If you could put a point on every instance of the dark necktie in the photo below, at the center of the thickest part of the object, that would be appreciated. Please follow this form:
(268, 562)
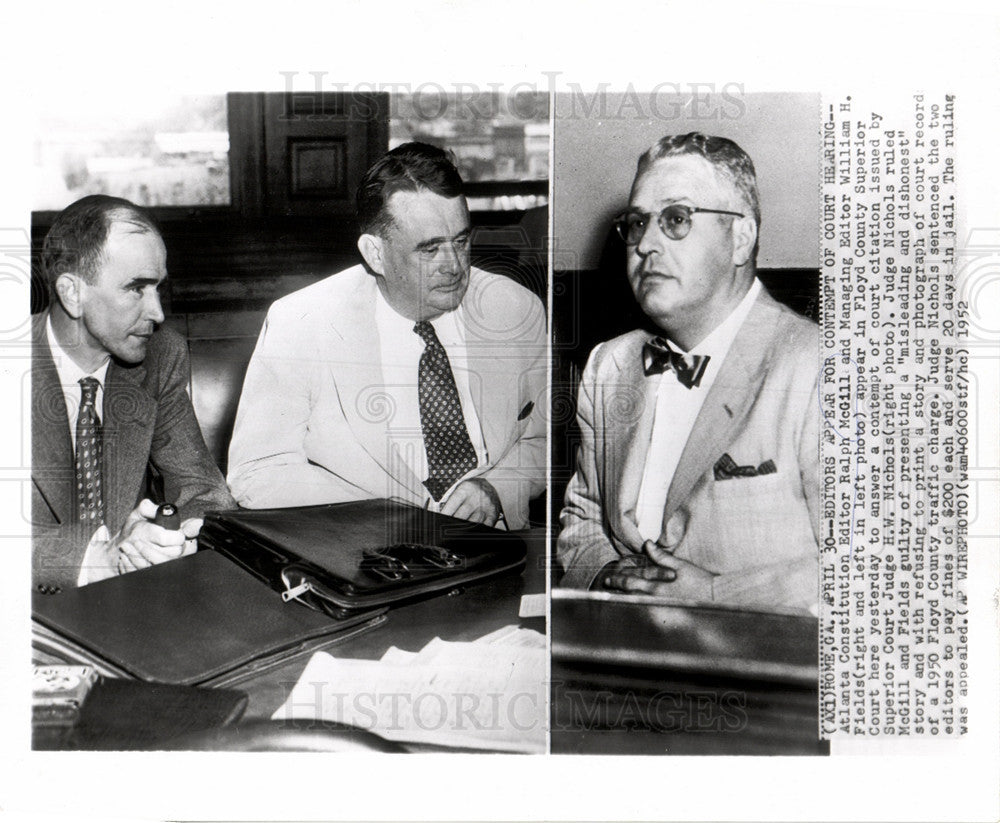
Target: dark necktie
(90, 497)
(658, 356)
(450, 453)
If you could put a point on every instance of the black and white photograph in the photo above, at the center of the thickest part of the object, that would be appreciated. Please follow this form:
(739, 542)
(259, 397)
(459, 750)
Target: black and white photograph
(522, 412)
(288, 425)
(684, 620)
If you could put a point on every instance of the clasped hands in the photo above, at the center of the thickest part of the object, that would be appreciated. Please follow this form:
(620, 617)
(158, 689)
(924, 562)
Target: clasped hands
(656, 571)
(141, 543)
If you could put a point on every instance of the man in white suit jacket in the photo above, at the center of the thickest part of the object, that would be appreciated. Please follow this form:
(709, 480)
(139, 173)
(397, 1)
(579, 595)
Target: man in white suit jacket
(698, 471)
(329, 406)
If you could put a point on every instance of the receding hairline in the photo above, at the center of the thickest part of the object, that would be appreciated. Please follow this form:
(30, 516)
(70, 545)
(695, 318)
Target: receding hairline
(730, 160)
(720, 173)
(122, 222)
(390, 221)
(133, 222)
(409, 167)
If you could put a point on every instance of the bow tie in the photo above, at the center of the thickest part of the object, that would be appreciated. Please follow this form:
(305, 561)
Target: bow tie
(658, 356)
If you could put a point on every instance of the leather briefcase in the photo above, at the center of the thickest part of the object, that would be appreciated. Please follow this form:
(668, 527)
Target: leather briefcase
(342, 557)
(198, 620)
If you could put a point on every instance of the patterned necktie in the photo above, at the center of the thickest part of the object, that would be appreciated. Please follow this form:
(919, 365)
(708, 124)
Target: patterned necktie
(658, 356)
(90, 498)
(450, 453)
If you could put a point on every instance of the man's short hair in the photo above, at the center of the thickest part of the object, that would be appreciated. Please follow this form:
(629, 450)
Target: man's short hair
(726, 156)
(75, 243)
(410, 167)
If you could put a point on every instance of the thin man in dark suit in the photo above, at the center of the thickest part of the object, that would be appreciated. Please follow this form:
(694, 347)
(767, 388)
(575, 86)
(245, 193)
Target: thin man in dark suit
(109, 401)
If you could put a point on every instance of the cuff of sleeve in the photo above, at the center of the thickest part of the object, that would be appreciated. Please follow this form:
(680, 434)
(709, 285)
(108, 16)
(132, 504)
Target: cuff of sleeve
(513, 500)
(92, 558)
(583, 575)
(786, 586)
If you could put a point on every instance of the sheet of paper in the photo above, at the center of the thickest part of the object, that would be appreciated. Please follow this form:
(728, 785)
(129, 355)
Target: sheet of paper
(475, 697)
(397, 656)
(532, 605)
(515, 636)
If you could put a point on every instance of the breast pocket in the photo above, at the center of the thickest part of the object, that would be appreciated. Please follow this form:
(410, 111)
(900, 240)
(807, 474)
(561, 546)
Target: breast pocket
(754, 520)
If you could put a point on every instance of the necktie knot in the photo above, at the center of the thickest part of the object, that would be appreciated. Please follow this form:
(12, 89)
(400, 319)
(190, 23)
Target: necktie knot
(88, 391)
(426, 332)
(659, 356)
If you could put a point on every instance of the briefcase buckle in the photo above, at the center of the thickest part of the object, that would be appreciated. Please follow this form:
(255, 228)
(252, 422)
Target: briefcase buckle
(293, 592)
(442, 558)
(384, 565)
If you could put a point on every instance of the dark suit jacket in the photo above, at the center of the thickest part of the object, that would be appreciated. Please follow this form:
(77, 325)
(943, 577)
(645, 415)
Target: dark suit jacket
(147, 421)
(757, 535)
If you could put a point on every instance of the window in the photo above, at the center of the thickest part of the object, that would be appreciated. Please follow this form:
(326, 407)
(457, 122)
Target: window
(501, 142)
(176, 151)
(153, 151)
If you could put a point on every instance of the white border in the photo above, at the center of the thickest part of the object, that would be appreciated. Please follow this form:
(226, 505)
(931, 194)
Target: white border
(134, 48)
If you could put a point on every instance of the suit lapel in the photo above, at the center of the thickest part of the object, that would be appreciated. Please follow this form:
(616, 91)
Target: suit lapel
(128, 422)
(628, 440)
(484, 355)
(732, 394)
(361, 384)
(480, 360)
(51, 445)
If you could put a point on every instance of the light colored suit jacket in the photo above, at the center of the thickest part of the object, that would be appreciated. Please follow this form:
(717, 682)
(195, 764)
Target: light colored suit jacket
(313, 420)
(147, 420)
(758, 535)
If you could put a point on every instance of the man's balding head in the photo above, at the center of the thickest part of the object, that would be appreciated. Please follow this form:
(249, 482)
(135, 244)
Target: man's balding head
(75, 243)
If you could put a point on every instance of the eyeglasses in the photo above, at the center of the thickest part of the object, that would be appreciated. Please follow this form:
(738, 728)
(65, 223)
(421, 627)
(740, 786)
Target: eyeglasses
(674, 221)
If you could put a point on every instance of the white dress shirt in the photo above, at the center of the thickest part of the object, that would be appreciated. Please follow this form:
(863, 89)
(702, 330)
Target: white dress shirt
(677, 408)
(400, 349)
(70, 375)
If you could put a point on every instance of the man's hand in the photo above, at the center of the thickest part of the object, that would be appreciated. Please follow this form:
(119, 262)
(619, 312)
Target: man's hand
(658, 573)
(141, 543)
(474, 499)
(634, 574)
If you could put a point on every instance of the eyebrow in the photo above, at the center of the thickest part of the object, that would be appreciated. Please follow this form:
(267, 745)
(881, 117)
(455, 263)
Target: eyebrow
(143, 281)
(437, 241)
(661, 204)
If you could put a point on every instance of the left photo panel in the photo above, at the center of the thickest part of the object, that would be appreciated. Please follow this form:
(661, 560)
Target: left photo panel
(289, 413)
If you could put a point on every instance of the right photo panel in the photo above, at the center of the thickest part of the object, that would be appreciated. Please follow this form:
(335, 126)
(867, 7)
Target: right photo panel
(685, 487)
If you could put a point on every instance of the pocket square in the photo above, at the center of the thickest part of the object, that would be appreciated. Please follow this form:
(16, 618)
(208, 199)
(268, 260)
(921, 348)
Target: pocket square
(526, 410)
(725, 468)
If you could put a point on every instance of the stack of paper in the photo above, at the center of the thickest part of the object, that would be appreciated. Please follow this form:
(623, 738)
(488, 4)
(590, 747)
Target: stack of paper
(489, 694)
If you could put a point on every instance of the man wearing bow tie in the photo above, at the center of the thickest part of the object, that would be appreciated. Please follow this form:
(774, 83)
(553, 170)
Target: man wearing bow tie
(411, 376)
(698, 471)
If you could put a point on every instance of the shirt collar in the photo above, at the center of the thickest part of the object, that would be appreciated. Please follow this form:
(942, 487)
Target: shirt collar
(446, 326)
(70, 374)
